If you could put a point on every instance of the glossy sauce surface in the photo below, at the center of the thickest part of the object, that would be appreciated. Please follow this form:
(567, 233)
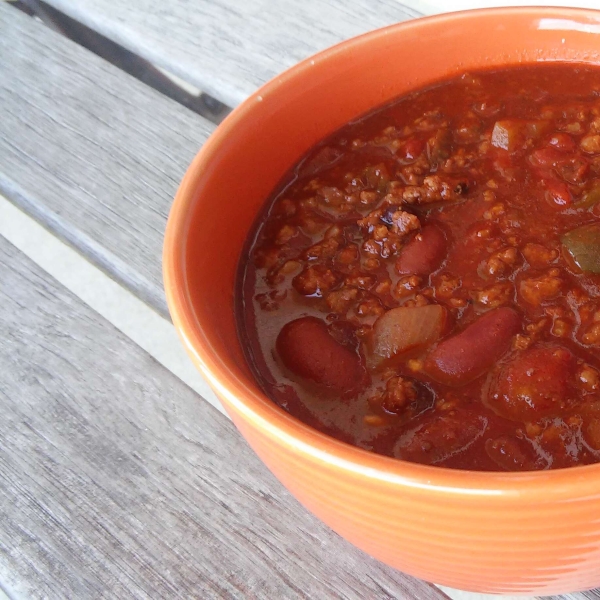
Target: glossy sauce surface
(425, 283)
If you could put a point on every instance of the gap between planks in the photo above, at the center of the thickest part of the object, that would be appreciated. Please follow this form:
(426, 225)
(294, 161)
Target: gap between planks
(121, 308)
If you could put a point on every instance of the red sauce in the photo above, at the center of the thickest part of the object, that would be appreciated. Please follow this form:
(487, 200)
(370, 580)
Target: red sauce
(425, 283)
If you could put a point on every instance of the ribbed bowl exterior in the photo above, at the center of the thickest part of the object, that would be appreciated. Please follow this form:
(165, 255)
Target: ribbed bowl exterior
(481, 543)
(488, 532)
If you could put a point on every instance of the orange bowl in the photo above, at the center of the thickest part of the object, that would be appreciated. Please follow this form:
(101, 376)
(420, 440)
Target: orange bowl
(536, 532)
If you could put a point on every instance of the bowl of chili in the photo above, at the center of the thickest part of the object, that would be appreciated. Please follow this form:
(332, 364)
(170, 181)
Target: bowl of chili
(407, 334)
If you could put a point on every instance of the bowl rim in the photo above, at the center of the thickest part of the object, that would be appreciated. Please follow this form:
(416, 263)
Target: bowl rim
(256, 407)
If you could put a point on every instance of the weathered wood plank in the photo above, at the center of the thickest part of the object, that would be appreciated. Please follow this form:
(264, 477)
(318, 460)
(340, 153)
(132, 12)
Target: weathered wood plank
(227, 47)
(117, 480)
(92, 153)
(590, 595)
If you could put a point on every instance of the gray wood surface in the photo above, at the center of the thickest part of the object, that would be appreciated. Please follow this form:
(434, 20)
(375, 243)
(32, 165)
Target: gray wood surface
(590, 595)
(229, 47)
(116, 480)
(93, 154)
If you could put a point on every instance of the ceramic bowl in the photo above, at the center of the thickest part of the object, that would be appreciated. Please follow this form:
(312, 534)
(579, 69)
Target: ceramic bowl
(536, 532)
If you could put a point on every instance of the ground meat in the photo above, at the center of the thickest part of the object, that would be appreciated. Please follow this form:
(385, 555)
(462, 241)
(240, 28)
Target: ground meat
(399, 393)
(588, 377)
(348, 255)
(434, 189)
(339, 301)
(404, 222)
(360, 280)
(447, 285)
(521, 342)
(495, 211)
(590, 144)
(418, 300)
(560, 328)
(314, 281)
(370, 308)
(494, 295)
(538, 255)
(536, 290)
(323, 249)
(367, 197)
(406, 286)
(499, 263)
(371, 220)
(266, 258)
(592, 335)
(384, 287)
(370, 263)
(285, 234)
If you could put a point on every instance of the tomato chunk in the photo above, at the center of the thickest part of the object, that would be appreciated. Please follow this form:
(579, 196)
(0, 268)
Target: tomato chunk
(534, 385)
(467, 355)
(306, 348)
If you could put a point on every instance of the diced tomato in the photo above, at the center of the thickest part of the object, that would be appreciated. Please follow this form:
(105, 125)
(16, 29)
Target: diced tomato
(535, 384)
(413, 148)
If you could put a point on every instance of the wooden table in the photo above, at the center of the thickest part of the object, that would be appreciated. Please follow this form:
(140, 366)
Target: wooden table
(120, 476)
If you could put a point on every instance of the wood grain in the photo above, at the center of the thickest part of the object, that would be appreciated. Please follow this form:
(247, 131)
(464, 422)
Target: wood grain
(116, 480)
(589, 595)
(226, 47)
(93, 154)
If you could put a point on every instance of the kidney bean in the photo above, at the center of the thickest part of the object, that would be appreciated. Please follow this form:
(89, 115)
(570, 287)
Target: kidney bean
(533, 385)
(548, 157)
(306, 348)
(512, 454)
(424, 253)
(558, 193)
(468, 354)
(439, 437)
(562, 141)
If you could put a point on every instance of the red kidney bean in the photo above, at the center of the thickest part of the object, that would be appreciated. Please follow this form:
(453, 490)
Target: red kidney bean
(424, 253)
(440, 436)
(562, 141)
(557, 193)
(463, 357)
(306, 348)
(512, 454)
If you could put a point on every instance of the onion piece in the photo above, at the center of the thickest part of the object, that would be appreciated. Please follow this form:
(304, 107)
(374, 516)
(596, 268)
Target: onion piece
(405, 328)
(511, 134)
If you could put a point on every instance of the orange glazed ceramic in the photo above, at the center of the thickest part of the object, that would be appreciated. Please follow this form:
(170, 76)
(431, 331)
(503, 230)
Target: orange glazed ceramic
(536, 532)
